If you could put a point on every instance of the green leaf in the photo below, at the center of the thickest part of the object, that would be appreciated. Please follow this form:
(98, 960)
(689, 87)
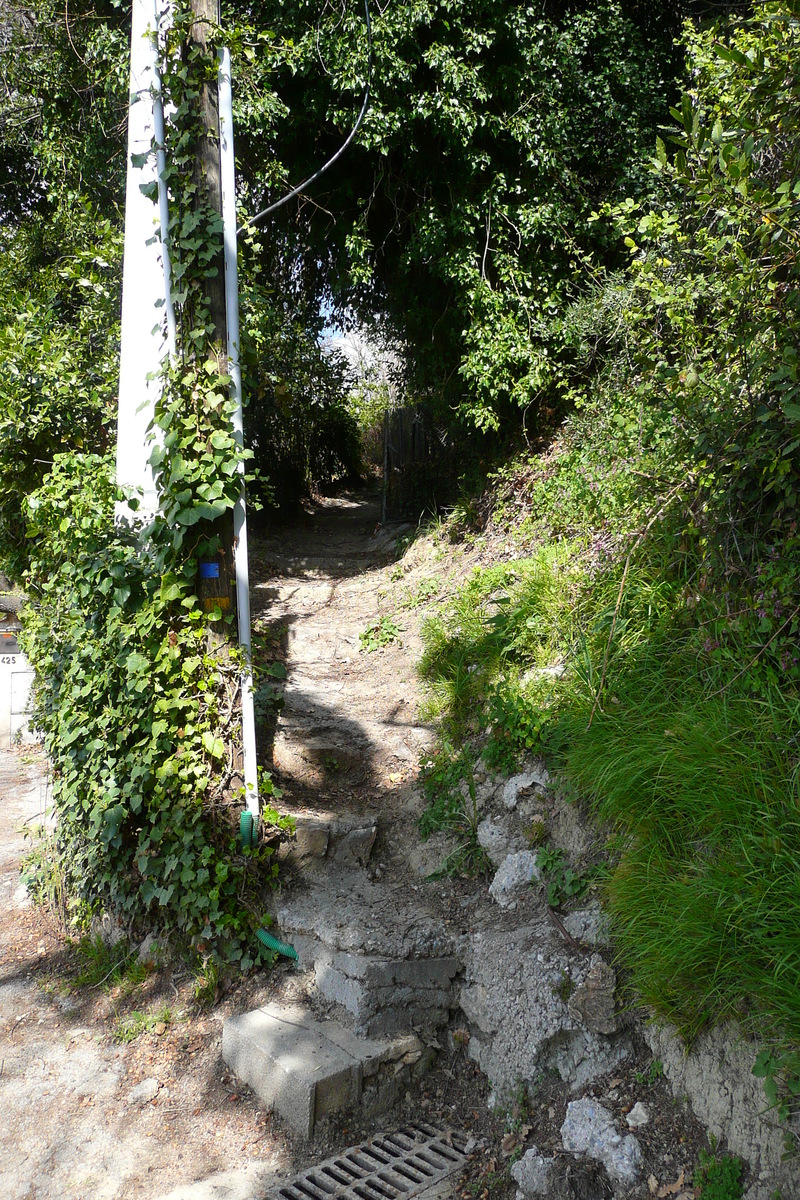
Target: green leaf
(213, 745)
(170, 591)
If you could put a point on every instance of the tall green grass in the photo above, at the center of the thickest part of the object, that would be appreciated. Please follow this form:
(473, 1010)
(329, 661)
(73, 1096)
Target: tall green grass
(693, 771)
(504, 615)
(701, 782)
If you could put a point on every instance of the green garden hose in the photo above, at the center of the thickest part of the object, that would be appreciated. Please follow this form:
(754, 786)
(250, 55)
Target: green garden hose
(272, 943)
(248, 830)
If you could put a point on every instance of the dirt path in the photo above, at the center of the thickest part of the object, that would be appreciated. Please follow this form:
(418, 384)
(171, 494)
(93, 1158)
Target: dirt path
(350, 736)
(351, 718)
(85, 1116)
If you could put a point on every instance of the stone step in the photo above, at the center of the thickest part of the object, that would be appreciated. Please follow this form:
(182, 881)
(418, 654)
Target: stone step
(343, 838)
(323, 748)
(376, 949)
(385, 995)
(310, 753)
(308, 1069)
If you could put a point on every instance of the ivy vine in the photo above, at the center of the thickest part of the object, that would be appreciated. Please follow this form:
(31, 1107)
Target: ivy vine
(139, 708)
(197, 459)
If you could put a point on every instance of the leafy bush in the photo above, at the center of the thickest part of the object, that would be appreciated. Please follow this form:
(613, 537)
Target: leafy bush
(297, 421)
(59, 346)
(139, 720)
(463, 216)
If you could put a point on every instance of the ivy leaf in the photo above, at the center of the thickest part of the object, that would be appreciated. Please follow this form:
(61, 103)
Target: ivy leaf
(170, 591)
(276, 670)
(189, 516)
(213, 745)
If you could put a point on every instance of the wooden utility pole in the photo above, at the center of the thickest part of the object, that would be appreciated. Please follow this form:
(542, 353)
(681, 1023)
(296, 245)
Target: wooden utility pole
(147, 286)
(216, 585)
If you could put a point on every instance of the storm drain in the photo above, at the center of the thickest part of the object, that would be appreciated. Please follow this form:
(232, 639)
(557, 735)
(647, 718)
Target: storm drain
(387, 1167)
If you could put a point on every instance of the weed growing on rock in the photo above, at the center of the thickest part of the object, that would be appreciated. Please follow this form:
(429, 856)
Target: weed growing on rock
(379, 634)
(563, 882)
(135, 1023)
(565, 987)
(426, 590)
(448, 783)
(651, 1076)
(780, 1070)
(442, 776)
(719, 1178)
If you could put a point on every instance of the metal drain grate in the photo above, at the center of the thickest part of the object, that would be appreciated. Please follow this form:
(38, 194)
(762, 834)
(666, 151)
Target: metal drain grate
(389, 1166)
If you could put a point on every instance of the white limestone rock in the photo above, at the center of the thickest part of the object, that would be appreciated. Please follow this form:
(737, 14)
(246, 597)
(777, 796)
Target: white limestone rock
(589, 1129)
(499, 839)
(513, 876)
(638, 1116)
(517, 784)
(533, 1174)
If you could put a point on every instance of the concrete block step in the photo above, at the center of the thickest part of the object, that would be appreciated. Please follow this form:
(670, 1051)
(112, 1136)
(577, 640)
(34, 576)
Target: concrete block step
(308, 1069)
(345, 909)
(376, 949)
(382, 995)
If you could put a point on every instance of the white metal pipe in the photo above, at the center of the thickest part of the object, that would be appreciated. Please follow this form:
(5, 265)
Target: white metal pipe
(228, 177)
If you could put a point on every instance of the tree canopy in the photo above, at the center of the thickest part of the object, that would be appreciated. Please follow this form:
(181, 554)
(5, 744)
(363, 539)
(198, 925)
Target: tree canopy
(462, 213)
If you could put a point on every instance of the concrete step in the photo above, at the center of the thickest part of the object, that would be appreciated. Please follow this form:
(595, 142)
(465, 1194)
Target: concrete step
(308, 1069)
(376, 949)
